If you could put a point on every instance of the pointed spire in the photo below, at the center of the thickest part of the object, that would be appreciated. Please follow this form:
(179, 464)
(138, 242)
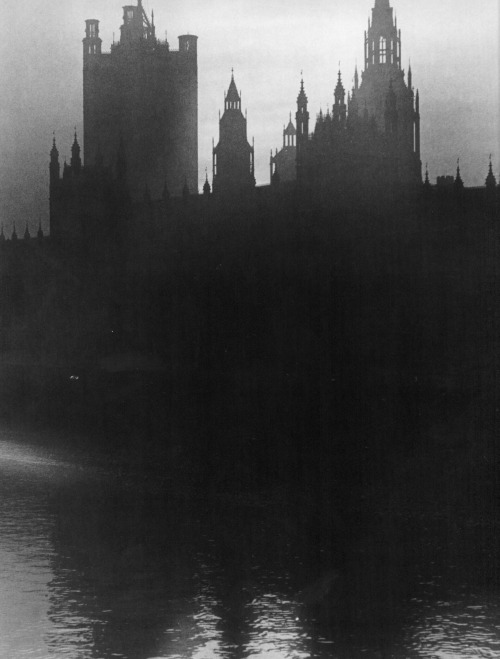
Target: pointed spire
(14, 232)
(54, 153)
(410, 79)
(27, 233)
(232, 93)
(427, 183)
(459, 184)
(39, 235)
(302, 98)
(339, 91)
(76, 162)
(491, 181)
(356, 78)
(206, 187)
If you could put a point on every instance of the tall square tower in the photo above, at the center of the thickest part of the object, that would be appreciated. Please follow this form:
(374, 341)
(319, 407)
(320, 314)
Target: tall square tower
(141, 99)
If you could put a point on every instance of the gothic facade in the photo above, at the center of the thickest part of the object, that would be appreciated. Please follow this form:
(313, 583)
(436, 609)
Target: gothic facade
(374, 133)
(145, 95)
(233, 158)
(283, 165)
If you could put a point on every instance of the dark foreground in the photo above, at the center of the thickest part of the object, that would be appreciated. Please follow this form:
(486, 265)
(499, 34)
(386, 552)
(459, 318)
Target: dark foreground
(279, 439)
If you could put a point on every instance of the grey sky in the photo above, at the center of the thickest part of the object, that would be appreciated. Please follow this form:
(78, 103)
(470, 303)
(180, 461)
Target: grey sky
(452, 44)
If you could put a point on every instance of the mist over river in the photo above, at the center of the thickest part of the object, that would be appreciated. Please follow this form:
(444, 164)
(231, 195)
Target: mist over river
(135, 550)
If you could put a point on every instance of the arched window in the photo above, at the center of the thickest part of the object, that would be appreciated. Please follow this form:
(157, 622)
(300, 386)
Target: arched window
(383, 50)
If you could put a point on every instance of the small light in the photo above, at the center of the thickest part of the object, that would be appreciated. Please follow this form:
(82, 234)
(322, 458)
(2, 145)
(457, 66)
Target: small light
(74, 378)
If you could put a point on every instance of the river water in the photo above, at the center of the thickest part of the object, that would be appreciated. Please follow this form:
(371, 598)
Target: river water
(98, 560)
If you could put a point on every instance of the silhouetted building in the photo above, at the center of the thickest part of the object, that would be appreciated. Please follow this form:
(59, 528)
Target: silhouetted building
(145, 94)
(375, 135)
(233, 157)
(283, 164)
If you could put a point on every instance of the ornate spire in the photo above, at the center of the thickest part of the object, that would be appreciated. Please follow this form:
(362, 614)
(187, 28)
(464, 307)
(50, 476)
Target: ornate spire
(339, 90)
(40, 231)
(206, 187)
(302, 98)
(427, 183)
(54, 166)
(76, 161)
(27, 233)
(491, 181)
(233, 98)
(14, 232)
(54, 153)
(459, 184)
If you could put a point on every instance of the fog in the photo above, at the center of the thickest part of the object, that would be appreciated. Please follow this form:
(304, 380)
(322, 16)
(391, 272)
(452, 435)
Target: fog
(452, 44)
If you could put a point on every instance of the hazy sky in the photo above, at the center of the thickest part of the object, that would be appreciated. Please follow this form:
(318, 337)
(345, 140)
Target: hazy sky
(452, 44)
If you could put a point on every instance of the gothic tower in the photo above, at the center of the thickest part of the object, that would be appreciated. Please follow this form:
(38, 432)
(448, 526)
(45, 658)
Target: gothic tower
(302, 118)
(233, 157)
(386, 96)
(147, 95)
(284, 162)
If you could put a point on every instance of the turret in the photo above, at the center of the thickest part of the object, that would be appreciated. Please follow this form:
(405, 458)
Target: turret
(92, 44)
(206, 186)
(427, 183)
(339, 110)
(382, 40)
(458, 184)
(136, 25)
(233, 158)
(491, 181)
(54, 167)
(76, 161)
(232, 100)
(302, 120)
(27, 233)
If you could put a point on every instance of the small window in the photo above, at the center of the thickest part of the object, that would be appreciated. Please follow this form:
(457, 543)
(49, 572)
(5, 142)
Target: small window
(383, 50)
(130, 14)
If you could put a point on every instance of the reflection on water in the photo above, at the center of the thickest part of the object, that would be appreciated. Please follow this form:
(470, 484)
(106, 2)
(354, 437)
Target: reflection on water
(92, 566)
(275, 629)
(458, 629)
